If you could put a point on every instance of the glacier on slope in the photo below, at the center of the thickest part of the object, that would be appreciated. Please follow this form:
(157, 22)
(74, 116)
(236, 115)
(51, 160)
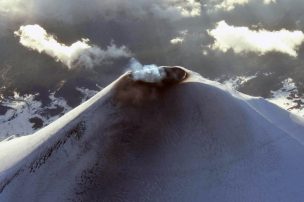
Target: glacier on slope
(190, 141)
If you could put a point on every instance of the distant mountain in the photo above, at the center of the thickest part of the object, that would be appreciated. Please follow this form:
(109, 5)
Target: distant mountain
(195, 140)
(287, 94)
(24, 114)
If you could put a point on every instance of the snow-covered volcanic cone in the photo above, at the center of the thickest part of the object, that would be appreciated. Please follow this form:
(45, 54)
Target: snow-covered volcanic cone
(184, 138)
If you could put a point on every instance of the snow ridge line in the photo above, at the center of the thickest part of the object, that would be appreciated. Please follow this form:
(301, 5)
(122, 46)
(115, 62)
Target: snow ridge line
(76, 132)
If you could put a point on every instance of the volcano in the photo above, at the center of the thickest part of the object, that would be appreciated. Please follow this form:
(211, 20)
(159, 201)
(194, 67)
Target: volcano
(183, 139)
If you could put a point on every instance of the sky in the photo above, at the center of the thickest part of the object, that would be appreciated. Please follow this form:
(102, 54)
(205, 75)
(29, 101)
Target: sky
(45, 42)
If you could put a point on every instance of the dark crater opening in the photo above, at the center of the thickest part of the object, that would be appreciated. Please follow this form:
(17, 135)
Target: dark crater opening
(174, 75)
(130, 92)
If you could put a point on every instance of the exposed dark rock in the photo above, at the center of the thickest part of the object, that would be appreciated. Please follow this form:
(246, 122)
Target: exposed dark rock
(3, 110)
(76, 133)
(37, 122)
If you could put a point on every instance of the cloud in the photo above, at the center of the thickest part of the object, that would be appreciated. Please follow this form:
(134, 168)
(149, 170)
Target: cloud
(242, 40)
(70, 10)
(79, 54)
(269, 1)
(189, 8)
(229, 5)
(179, 39)
(11, 6)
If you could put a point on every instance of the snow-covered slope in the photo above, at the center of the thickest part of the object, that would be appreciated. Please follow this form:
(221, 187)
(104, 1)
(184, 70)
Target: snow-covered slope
(24, 115)
(191, 141)
(288, 97)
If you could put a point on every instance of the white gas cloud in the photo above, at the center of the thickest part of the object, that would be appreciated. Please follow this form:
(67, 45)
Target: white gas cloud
(229, 5)
(243, 39)
(79, 54)
(147, 73)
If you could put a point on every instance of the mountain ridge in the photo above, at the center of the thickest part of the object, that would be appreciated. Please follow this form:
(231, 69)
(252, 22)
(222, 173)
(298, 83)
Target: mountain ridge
(196, 140)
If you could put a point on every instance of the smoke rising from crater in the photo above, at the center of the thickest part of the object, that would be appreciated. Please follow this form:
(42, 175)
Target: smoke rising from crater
(147, 73)
(78, 54)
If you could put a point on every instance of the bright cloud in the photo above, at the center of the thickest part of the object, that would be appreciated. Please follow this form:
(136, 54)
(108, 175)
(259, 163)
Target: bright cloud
(189, 8)
(179, 39)
(242, 40)
(229, 5)
(269, 1)
(79, 54)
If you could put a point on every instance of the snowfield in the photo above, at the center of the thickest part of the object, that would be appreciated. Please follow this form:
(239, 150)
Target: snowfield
(192, 141)
(26, 115)
(288, 97)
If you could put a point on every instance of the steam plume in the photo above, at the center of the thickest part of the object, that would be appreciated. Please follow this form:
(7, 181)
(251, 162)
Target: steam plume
(79, 54)
(147, 73)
